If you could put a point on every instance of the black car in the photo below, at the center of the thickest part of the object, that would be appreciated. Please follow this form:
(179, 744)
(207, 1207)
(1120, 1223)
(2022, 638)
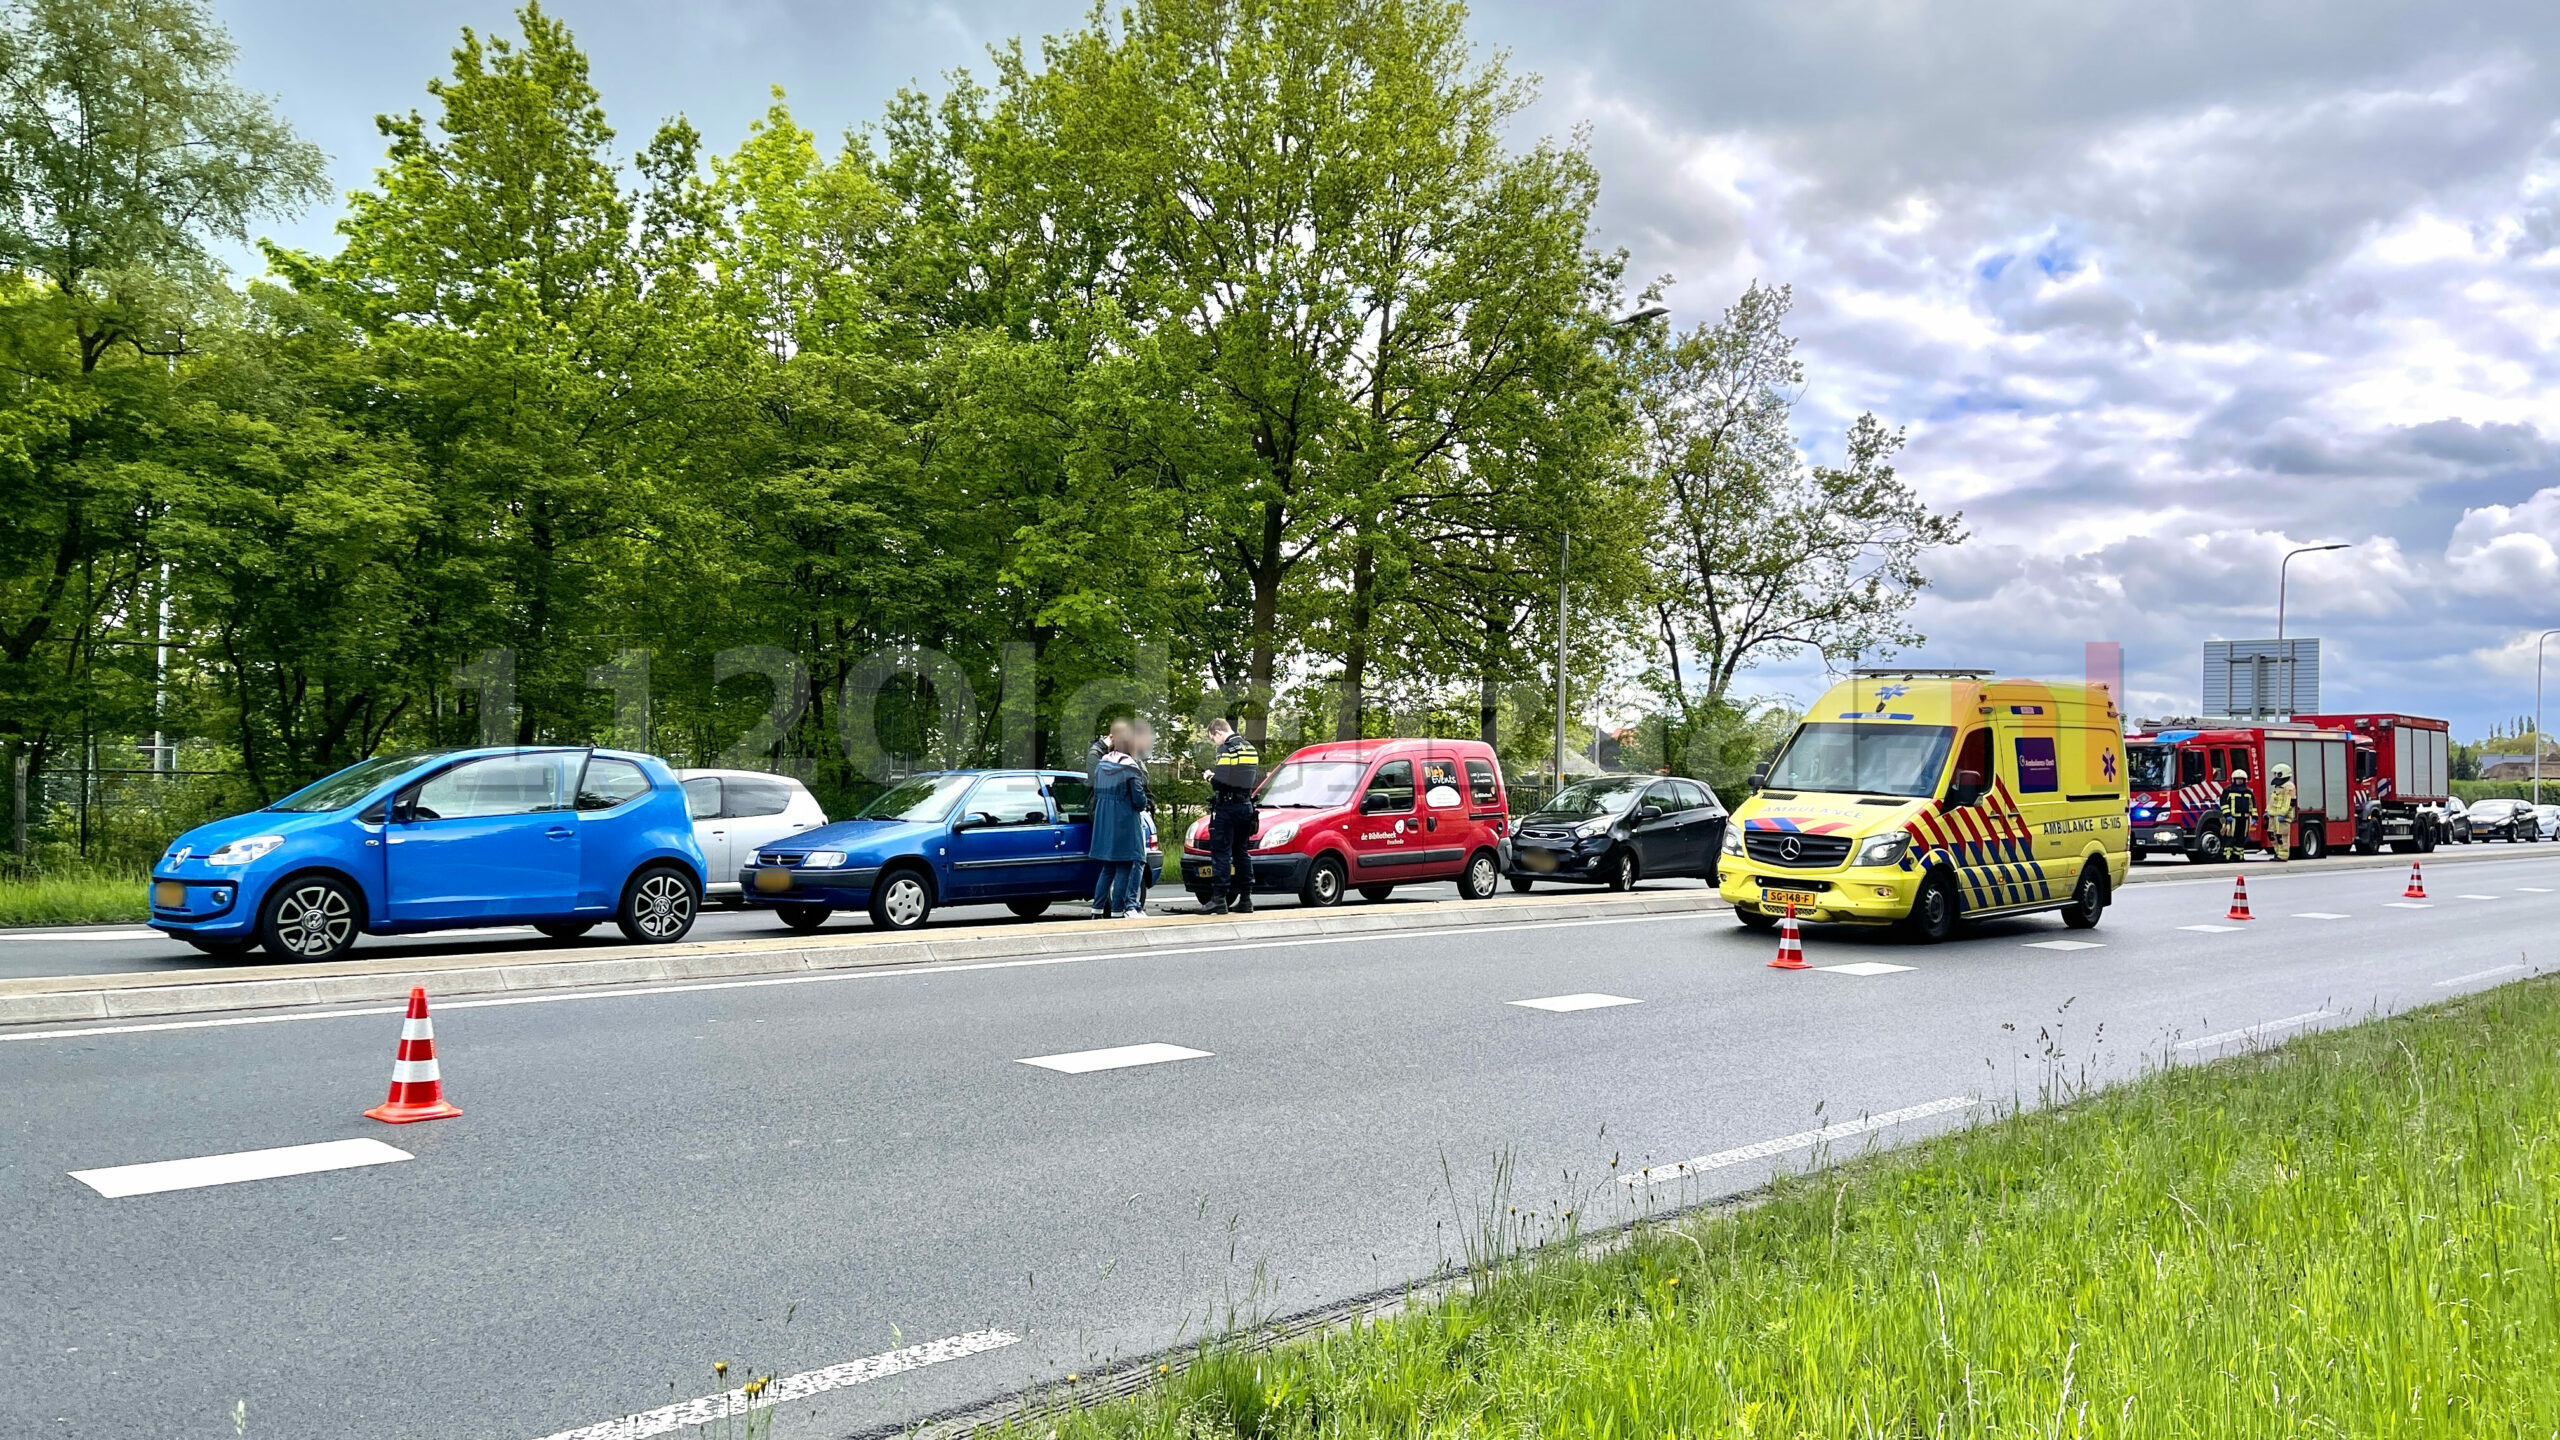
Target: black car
(1618, 829)
(2509, 820)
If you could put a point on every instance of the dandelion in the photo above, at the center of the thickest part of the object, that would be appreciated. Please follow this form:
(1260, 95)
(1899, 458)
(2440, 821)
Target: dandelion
(719, 1367)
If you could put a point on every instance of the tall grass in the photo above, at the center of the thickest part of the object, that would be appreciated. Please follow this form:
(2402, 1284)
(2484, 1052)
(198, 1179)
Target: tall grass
(78, 898)
(2356, 1234)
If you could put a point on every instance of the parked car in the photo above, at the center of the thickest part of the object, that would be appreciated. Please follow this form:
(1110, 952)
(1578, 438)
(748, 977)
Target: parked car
(2452, 821)
(2509, 820)
(560, 838)
(1618, 829)
(1016, 837)
(1372, 815)
(2546, 822)
(737, 812)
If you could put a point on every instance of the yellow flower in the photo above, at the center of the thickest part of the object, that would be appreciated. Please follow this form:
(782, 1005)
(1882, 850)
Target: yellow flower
(719, 1367)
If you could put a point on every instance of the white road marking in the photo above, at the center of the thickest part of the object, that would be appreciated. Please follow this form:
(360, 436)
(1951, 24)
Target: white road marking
(832, 977)
(1801, 1140)
(2535, 889)
(2408, 905)
(2258, 1031)
(1117, 1057)
(82, 935)
(2475, 897)
(2479, 975)
(2318, 915)
(735, 1404)
(1864, 967)
(159, 1175)
(2066, 945)
(1560, 1004)
(2210, 929)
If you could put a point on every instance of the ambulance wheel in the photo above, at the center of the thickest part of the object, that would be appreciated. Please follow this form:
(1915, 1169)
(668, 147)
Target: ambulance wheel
(2315, 842)
(1520, 884)
(2088, 898)
(1933, 911)
(1755, 919)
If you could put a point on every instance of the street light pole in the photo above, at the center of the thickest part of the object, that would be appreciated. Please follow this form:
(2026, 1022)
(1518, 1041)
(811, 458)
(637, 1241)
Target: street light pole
(2284, 657)
(2537, 712)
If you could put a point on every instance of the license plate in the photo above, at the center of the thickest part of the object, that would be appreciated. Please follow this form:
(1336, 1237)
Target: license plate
(1802, 899)
(770, 880)
(1537, 860)
(169, 895)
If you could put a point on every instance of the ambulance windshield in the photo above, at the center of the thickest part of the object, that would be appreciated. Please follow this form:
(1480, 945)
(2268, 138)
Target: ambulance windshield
(1861, 759)
(2147, 766)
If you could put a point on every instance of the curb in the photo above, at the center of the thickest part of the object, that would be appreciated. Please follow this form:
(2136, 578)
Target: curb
(149, 994)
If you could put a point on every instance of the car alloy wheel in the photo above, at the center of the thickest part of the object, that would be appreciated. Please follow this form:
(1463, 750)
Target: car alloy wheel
(658, 907)
(1483, 875)
(1622, 875)
(311, 920)
(902, 902)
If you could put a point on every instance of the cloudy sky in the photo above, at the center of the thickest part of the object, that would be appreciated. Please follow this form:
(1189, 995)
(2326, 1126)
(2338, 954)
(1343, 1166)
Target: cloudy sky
(2161, 290)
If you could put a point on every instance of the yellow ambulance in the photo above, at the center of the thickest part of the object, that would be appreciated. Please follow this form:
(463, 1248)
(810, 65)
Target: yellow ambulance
(1921, 798)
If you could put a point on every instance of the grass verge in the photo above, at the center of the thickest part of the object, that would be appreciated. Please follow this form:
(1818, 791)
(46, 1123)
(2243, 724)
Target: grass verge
(2355, 1234)
(74, 899)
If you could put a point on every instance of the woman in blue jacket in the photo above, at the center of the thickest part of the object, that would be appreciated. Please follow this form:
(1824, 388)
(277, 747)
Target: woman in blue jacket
(1119, 838)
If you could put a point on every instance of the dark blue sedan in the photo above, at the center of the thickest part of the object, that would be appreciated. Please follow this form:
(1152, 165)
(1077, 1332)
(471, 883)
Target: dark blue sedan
(559, 838)
(1015, 837)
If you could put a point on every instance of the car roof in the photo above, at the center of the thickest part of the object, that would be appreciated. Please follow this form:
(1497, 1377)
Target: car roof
(697, 774)
(1371, 749)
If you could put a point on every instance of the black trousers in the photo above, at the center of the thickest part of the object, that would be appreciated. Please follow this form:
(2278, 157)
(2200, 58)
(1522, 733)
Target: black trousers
(1231, 849)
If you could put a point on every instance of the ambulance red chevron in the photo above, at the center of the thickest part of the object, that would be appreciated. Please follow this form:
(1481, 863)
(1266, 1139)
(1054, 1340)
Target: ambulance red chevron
(1919, 797)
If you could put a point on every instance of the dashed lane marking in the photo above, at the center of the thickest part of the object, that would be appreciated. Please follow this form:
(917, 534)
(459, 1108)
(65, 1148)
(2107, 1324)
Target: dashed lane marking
(735, 1406)
(2475, 897)
(1864, 967)
(49, 935)
(2535, 889)
(1117, 1057)
(2066, 945)
(1801, 1140)
(158, 1175)
(2408, 905)
(2493, 970)
(2258, 1031)
(2210, 929)
(2317, 915)
(1561, 1004)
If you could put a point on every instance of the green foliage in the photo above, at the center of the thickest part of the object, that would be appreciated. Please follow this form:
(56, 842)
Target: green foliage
(75, 896)
(2352, 1235)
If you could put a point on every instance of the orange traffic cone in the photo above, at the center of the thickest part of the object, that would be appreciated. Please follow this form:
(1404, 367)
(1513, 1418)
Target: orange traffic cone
(417, 1091)
(2417, 886)
(2239, 899)
(1790, 944)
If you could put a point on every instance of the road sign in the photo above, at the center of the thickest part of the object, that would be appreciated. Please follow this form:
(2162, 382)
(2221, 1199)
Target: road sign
(2261, 679)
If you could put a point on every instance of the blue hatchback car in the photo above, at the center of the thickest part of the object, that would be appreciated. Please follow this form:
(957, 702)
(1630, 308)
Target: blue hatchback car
(1019, 837)
(561, 838)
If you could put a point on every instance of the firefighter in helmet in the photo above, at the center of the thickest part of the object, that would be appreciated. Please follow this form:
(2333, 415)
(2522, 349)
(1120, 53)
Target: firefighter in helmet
(2235, 812)
(2280, 816)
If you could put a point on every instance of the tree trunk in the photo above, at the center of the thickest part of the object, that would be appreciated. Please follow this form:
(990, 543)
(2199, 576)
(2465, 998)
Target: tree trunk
(1349, 714)
(1267, 569)
(1497, 635)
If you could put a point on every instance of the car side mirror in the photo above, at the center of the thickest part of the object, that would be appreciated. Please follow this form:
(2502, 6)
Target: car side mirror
(976, 820)
(1646, 814)
(1759, 776)
(1375, 801)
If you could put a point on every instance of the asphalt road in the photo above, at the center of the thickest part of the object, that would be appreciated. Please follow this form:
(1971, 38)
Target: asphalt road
(793, 1174)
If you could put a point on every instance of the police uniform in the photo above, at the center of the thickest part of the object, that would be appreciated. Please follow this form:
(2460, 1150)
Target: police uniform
(1232, 776)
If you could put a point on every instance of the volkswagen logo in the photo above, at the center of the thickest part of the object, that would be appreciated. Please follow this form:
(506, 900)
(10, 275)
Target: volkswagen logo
(1791, 848)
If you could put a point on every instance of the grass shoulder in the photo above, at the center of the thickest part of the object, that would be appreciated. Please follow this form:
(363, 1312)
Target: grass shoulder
(77, 898)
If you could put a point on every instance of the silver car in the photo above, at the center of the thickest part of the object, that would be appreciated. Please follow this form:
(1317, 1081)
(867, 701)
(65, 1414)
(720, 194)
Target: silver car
(735, 811)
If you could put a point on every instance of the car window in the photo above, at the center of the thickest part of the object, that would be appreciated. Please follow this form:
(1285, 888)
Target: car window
(926, 799)
(1073, 795)
(500, 785)
(1012, 799)
(752, 795)
(1480, 783)
(702, 797)
(350, 785)
(1390, 789)
(608, 782)
(1697, 796)
(1665, 797)
(1310, 785)
(2190, 768)
(1589, 800)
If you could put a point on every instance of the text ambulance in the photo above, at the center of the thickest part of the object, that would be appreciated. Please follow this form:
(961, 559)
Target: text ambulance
(1922, 797)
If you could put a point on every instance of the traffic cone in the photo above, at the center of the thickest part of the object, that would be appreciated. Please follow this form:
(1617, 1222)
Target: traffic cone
(417, 1091)
(2417, 886)
(2239, 899)
(1790, 944)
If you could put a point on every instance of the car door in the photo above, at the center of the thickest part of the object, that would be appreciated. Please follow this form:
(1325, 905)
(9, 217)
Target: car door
(702, 801)
(1003, 842)
(1381, 847)
(1707, 821)
(1659, 846)
(1441, 847)
(487, 838)
(1071, 801)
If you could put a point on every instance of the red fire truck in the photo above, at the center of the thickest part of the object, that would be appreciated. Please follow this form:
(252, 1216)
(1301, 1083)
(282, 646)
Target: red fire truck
(2360, 781)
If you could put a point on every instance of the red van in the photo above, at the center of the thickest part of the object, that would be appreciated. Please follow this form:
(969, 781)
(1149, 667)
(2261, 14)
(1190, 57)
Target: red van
(1369, 815)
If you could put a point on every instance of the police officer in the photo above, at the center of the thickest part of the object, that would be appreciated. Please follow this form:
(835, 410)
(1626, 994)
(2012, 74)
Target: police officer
(2238, 806)
(1232, 776)
(2280, 811)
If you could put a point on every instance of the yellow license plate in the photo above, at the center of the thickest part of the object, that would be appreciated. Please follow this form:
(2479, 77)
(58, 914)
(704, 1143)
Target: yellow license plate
(1801, 899)
(169, 895)
(773, 879)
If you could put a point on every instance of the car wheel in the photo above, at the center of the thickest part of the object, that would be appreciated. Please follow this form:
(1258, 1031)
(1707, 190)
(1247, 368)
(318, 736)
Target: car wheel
(1755, 919)
(224, 949)
(1376, 892)
(803, 918)
(658, 906)
(2315, 841)
(2088, 898)
(564, 929)
(1520, 884)
(1482, 877)
(308, 917)
(1622, 871)
(1934, 911)
(1028, 909)
(1323, 885)
(901, 900)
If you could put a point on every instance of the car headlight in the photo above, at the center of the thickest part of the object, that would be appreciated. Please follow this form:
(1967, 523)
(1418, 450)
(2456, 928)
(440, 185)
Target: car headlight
(823, 860)
(1590, 828)
(1277, 836)
(1733, 840)
(241, 852)
(1883, 849)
